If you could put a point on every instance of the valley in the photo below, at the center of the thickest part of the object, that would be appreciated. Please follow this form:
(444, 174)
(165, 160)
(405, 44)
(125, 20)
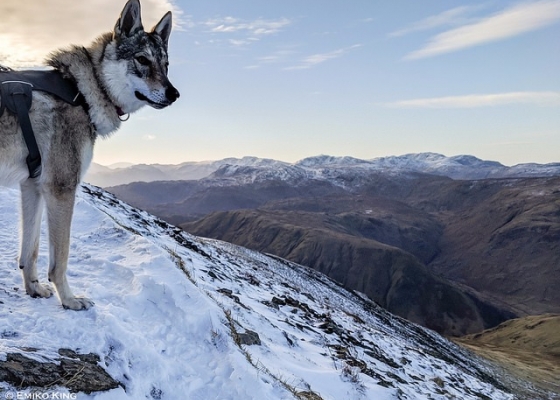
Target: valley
(457, 256)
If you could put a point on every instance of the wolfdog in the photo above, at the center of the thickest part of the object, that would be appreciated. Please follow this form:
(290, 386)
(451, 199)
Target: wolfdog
(117, 74)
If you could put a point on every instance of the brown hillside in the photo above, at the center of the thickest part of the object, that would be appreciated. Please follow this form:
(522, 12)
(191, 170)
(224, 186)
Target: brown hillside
(392, 277)
(496, 239)
(528, 347)
(507, 245)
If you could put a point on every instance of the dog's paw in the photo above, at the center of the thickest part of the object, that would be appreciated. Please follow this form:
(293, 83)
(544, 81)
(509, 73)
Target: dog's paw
(35, 289)
(77, 303)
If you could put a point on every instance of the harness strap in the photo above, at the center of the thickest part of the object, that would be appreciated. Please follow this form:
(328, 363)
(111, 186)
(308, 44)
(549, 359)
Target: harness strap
(50, 81)
(17, 96)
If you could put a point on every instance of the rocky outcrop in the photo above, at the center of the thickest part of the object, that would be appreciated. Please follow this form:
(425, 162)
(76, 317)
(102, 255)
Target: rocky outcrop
(76, 372)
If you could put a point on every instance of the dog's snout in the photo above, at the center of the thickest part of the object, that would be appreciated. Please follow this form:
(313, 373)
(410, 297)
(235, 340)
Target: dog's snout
(171, 93)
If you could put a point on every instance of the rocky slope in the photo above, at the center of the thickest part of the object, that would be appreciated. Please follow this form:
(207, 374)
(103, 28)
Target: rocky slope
(494, 239)
(177, 316)
(499, 237)
(390, 276)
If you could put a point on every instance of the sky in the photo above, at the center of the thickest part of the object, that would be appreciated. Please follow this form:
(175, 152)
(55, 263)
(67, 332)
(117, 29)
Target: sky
(291, 79)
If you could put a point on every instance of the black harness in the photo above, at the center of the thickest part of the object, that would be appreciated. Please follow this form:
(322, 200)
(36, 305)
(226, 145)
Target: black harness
(16, 90)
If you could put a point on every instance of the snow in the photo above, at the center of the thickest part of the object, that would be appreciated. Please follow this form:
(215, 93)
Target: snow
(249, 169)
(150, 324)
(166, 303)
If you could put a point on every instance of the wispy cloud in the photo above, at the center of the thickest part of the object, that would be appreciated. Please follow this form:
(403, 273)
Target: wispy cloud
(510, 22)
(281, 56)
(238, 32)
(239, 42)
(277, 57)
(455, 16)
(316, 59)
(257, 27)
(481, 100)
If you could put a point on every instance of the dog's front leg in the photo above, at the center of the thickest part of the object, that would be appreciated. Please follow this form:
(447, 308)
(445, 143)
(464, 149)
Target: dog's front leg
(31, 212)
(60, 207)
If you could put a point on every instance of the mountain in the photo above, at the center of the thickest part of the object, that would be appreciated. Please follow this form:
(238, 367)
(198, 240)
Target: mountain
(321, 167)
(503, 239)
(494, 241)
(457, 167)
(105, 176)
(178, 316)
(499, 237)
(392, 277)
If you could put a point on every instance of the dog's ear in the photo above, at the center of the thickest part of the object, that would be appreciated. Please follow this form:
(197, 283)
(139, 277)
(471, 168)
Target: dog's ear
(163, 27)
(130, 20)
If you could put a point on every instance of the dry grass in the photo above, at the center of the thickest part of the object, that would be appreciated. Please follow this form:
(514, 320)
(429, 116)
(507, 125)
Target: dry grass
(527, 347)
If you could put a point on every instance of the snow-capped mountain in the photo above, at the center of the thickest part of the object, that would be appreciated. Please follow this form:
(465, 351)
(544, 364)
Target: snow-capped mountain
(181, 317)
(325, 167)
(456, 167)
(243, 174)
(105, 176)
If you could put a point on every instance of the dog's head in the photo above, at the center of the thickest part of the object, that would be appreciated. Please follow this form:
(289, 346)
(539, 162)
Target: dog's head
(136, 73)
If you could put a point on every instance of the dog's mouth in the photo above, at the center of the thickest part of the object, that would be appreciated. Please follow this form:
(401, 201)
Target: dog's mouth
(154, 104)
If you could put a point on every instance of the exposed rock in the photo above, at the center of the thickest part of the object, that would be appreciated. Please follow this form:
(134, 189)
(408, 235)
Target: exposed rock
(77, 372)
(278, 301)
(249, 338)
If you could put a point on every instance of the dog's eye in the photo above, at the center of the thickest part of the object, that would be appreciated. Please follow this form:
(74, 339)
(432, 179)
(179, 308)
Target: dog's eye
(143, 60)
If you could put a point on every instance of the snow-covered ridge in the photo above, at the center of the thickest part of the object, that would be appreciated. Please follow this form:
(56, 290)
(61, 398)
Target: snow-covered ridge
(250, 169)
(172, 311)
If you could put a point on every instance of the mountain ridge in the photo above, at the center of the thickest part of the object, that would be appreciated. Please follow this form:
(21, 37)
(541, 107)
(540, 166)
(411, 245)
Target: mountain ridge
(455, 167)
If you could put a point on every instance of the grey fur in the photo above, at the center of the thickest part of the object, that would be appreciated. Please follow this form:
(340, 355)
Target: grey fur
(118, 73)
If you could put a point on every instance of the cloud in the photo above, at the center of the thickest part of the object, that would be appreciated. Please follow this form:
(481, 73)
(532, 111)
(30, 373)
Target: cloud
(257, 27)
(31, 29)
(455, 16)
(481, 100)
(315, 59)
(513, 21)
(277, 56)
(281, 56)
(238, 32)
(237, 43)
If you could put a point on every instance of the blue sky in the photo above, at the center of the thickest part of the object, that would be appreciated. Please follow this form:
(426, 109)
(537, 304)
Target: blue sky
(290, 79)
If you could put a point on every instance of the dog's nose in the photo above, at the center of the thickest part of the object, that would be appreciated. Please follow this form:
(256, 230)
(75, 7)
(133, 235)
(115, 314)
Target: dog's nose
(172, 94)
